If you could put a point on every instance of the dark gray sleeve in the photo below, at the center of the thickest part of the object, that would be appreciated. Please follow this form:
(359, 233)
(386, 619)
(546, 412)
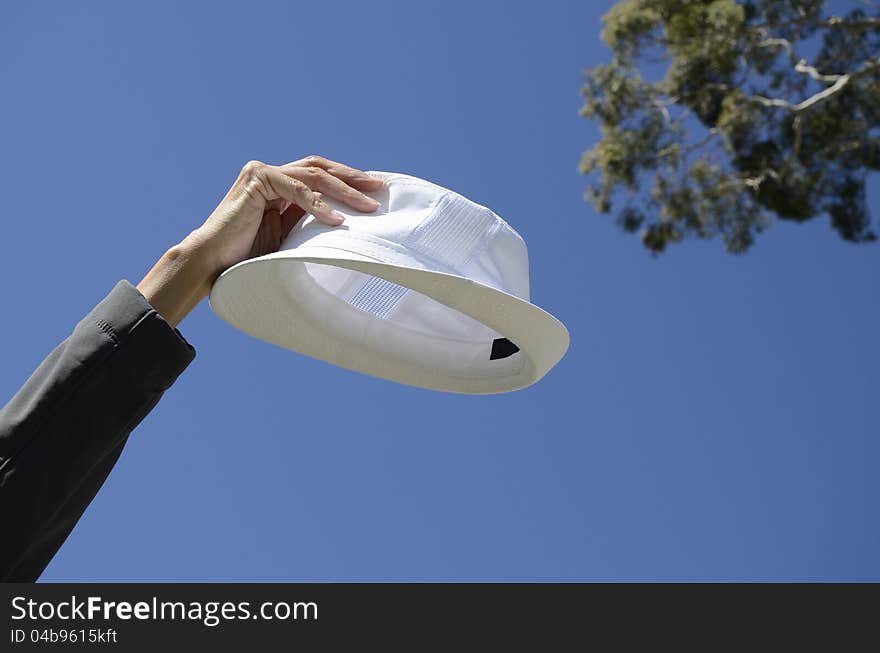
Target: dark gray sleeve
(61, 434)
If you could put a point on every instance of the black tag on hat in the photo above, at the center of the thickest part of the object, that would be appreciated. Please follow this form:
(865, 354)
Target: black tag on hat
(502, 348)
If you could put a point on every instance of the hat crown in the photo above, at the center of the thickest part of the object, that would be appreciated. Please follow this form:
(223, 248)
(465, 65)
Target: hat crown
(441, 229)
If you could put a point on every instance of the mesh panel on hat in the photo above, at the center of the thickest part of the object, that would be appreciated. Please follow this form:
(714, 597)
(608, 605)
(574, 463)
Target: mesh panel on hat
(378, 296)
(451, 234)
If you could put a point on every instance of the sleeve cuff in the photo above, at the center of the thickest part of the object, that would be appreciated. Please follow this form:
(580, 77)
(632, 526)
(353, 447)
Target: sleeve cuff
(158, 351)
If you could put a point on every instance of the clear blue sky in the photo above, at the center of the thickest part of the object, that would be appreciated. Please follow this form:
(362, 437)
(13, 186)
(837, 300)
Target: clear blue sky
(715, 417)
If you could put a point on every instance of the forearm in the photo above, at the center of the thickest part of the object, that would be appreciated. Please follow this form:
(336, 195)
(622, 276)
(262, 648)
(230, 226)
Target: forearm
(61, 434)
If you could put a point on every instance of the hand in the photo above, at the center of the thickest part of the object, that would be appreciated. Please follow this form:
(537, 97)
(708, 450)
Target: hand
(253, 219)
(265, 203)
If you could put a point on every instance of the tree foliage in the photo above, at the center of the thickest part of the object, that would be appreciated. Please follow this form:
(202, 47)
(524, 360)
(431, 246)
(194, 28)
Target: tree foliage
(717, 115)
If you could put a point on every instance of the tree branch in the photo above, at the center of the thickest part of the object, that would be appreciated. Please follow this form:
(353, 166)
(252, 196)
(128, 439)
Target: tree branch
(661, 106)
(837, 21)
(776, 43)
(802, 67)
(755, 182)
(831, 21)
(839, 83)
(712, 133)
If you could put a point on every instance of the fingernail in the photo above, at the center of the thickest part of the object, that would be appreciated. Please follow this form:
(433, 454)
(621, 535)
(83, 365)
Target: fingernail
(373, 201)
(338, 216)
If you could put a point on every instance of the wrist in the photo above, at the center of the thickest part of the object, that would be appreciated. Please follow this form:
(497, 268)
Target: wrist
(180, 279)
(196, 252)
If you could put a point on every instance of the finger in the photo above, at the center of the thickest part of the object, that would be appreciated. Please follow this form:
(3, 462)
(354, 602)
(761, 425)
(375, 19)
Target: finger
(272, 224)
(351, 176)
(319, 179)
(289, 218)
(295, 191)
(278, 205)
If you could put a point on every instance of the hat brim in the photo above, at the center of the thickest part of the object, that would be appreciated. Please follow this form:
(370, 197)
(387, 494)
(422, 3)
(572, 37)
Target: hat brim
(250, 296)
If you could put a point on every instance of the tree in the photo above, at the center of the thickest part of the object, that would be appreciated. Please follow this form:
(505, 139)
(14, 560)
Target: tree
(716, 115)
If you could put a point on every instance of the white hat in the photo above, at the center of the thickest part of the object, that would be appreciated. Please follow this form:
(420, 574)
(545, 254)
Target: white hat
(431, 290)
